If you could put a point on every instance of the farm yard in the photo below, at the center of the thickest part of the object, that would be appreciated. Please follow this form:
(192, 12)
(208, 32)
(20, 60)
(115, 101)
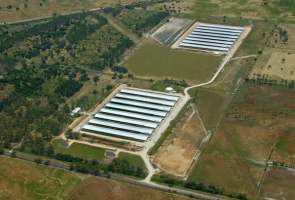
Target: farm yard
(153, 61)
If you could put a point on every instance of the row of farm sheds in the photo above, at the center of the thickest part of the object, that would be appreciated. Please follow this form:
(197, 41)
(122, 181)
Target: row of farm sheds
(212, 37)
(132, 114)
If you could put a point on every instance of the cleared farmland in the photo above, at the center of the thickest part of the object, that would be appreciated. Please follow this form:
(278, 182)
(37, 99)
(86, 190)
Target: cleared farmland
(152, 60)
(254, 127)
(13, 10)
(28, 181)
(105, 189)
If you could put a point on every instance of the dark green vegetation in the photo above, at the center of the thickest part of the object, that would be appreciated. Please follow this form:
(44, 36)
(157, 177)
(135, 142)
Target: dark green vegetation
(141, 20)
(38, 65)
(153, 60)
(128, 165)
(79, 150)
(47, 68)
(132, 159)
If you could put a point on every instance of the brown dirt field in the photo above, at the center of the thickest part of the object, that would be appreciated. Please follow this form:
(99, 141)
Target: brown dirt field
(279, 184)
(19, 11)
(285, 148)
(176, 155)
(259, 119)
(28, 181)
(103, 189)
(227, 171)
(252, 142)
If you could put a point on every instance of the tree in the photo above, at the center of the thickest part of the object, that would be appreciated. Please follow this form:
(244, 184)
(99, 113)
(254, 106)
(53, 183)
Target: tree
(38, 160)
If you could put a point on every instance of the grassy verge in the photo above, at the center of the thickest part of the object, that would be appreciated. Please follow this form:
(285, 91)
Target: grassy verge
(79, 150)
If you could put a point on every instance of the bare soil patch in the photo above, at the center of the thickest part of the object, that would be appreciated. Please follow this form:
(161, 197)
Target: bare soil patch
(177, 153)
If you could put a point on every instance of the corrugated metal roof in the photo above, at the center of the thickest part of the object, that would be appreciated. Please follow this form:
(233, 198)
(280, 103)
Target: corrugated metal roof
(209, 41)
(217, 31)
(115, 132)
(206, 43)
(130, 114)
(222, 26)
(217, 35)
(220, 29)
(136, 109)
(145, 99)
(212, 38)
(121, 126)
(127, 120)
(204, 47)
(141, 104)
(150, 94)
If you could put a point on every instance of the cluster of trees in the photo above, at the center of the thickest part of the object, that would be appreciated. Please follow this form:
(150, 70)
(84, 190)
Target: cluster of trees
(181, 83)
(123, 166)
(32, 115)
(264, 80)
(141, 20)
(171, 182)
(96, 167)
(120, 69)
(82, 29)
(113, 55)
(67, 88)
(283, 34)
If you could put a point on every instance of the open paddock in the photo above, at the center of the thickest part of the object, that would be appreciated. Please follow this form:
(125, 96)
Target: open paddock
(279, 184)
(14, 10)
(151, 60)
(106, 189)
(280, 65)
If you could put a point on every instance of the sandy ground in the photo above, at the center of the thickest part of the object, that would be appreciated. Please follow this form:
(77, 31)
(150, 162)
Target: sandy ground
(177, 153)
(94, 189)
(279, 66)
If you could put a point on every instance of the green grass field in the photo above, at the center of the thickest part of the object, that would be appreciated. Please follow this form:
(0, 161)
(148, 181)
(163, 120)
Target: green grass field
(155, 61)
(132, 159)
(29, 181)
(80, 150)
